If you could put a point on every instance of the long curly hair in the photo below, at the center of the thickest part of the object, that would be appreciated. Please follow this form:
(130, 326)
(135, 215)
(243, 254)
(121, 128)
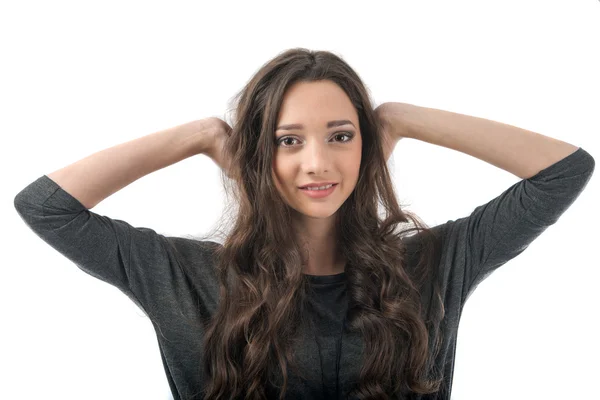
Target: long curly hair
(259, 265)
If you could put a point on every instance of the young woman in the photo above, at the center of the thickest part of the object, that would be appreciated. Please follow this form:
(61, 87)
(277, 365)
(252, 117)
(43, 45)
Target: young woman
(313, 293)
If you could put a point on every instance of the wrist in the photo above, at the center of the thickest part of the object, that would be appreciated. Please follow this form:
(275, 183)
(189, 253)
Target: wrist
(194, 136)
(404, 117)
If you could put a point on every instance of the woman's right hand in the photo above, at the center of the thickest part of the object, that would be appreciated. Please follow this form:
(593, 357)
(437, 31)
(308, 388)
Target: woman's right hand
(216, 131)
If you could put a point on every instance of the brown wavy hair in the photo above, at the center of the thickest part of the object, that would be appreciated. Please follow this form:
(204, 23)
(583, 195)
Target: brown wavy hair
(259, 266)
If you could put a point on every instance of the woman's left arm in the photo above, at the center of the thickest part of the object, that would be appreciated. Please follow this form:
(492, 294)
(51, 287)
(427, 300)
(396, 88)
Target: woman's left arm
(521, 152)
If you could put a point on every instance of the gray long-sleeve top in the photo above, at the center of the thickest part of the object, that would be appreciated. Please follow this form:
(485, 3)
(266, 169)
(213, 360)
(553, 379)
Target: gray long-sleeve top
(173, 281)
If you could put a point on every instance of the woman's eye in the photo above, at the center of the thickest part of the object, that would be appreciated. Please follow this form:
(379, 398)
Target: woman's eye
(280, 141)
(347, 134)
(337, 135)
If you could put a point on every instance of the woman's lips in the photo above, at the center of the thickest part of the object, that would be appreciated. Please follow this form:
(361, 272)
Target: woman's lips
(319, 194)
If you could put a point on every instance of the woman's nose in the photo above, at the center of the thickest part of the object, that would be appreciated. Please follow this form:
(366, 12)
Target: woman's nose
(316, 158)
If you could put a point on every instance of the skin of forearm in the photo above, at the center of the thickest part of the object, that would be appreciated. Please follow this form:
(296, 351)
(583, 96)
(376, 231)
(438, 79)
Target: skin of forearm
(519, 151)
(96, 177)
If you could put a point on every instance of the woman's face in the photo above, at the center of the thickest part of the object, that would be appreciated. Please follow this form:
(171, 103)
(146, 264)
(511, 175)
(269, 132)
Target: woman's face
(318, 149)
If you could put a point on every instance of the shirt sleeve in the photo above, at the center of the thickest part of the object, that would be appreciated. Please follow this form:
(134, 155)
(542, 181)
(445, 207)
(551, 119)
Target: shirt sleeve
(134, 260)
(501, 229)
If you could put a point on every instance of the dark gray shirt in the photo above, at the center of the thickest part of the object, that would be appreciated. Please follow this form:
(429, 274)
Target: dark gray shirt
(172, 279)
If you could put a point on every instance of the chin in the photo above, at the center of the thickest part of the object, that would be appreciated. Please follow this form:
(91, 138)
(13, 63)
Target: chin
(318, 214)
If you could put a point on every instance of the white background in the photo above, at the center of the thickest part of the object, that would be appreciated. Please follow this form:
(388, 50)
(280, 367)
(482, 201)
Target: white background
(78, 77)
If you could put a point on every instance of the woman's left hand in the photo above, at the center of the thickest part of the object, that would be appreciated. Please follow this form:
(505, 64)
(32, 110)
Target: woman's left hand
(392, 130)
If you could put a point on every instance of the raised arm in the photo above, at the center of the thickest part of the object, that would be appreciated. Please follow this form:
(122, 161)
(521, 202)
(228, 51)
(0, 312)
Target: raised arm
(136, 260)
(519, 151)
(94, 178)
(553, 174)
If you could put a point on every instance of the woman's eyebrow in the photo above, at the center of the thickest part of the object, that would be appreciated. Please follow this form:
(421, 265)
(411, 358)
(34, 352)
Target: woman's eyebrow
(330, 124)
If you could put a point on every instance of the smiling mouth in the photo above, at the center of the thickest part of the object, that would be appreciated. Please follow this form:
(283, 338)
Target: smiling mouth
(317, 188)
(319, 193)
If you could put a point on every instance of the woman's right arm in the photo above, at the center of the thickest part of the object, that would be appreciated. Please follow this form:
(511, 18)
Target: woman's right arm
(137, 260)
(96, 177)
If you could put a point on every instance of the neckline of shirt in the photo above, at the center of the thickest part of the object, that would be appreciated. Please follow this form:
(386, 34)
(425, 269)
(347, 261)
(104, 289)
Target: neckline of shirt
(325, 279)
